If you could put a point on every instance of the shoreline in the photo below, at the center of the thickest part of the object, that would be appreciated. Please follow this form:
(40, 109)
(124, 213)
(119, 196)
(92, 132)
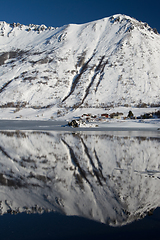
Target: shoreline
(50, 125)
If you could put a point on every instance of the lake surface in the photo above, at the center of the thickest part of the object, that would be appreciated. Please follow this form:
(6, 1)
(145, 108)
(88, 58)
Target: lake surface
(83, 185)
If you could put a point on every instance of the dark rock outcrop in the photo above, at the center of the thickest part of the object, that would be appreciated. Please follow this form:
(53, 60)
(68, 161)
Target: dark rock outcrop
(73, 123)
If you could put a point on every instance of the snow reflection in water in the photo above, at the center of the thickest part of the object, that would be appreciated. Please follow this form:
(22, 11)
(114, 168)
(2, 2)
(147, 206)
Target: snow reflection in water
(105, 177)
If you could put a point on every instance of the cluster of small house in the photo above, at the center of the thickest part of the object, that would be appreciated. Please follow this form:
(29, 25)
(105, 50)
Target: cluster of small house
(118, 115)
(102, 117)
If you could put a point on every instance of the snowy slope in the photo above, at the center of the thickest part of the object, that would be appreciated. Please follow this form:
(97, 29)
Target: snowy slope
(105, 63)
(108, 178)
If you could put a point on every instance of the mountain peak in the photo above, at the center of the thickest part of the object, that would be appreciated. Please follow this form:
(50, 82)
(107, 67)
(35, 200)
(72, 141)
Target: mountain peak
(7, 29)
(105, 63)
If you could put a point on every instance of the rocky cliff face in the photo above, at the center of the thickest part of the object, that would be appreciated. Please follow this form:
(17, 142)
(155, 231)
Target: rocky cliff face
(108, 178)
(105, 63)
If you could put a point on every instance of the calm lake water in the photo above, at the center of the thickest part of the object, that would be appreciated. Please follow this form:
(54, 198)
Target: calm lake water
(79, 185)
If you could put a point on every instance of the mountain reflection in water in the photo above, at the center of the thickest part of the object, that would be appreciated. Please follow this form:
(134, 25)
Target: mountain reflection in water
(101, 176)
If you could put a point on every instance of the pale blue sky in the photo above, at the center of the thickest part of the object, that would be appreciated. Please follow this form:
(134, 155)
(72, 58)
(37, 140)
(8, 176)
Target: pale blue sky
(61, 12)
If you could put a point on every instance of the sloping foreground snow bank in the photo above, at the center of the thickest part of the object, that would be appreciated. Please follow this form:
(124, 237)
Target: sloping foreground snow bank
(109, 177)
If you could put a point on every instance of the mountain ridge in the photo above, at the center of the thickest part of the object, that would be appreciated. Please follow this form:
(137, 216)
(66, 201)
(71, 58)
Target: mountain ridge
(105, 63)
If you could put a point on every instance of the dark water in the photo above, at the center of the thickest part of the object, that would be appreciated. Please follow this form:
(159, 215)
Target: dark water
(63, 126)
(49, 226)
(107, 182)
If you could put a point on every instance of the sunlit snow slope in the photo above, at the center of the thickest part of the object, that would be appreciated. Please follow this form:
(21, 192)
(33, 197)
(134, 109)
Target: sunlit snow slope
(109, 62)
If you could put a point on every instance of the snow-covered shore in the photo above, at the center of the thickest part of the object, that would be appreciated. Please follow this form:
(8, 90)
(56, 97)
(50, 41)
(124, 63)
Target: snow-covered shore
(50, 120)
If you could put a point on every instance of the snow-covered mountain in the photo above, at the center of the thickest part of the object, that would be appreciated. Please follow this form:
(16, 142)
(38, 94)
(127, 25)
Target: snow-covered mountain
(105, 63)
(102, 176)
